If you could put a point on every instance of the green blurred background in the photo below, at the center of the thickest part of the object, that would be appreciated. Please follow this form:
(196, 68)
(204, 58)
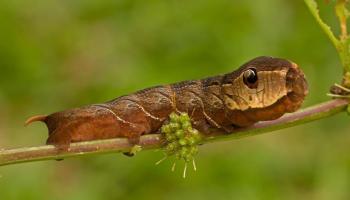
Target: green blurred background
(61, 54)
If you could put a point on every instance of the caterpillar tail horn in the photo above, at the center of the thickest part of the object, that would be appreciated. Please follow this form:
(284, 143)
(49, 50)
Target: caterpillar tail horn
(37, 118)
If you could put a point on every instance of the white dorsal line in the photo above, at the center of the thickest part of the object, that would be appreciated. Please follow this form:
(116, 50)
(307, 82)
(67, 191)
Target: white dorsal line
(114, 114)
(211, 120)
(204, 113)
(144, 110)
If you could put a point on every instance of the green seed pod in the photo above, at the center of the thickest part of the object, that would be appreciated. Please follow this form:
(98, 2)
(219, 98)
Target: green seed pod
(193, 150)
(191, 140)
(182, 142)
(184, 151)
(180, 133)
(170, 149)
(176, 144)
(178, 155)
(171, 146)
(197, 138)
(174, 126)
(165, 129)
(195, 132)
(170, 137)
(186, 125)
(184, 118)
(173, 117)
(188, 158)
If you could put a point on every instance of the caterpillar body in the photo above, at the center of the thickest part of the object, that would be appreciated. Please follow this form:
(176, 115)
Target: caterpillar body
(262, 89)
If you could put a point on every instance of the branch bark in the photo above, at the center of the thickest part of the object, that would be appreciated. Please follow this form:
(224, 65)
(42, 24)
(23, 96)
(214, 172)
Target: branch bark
(154, 141)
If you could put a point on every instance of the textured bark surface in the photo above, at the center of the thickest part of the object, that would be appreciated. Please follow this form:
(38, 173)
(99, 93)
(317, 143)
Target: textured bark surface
(263, 89)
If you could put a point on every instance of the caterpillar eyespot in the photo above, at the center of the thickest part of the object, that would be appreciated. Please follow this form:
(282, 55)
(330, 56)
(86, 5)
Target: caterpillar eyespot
(250, 77)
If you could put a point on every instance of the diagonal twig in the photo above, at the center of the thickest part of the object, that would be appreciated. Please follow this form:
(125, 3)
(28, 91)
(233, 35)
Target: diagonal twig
(154, 141)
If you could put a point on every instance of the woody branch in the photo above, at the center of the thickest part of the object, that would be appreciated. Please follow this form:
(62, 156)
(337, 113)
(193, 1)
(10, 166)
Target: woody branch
(154, 141)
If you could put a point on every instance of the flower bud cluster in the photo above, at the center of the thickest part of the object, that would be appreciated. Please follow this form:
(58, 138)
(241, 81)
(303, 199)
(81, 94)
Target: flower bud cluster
(182, 139)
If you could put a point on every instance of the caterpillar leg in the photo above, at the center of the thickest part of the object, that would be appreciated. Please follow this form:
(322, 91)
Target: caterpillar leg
(209, 130)
(202, 126)
(61, 139)
(135, 149)
(133, 139)
(133, 134)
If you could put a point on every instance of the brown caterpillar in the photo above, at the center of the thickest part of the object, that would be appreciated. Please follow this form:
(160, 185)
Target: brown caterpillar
(263, 89)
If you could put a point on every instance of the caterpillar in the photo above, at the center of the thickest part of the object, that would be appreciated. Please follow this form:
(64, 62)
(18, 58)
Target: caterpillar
(262, 89)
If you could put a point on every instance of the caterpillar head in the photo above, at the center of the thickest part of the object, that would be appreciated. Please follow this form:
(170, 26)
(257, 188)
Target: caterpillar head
(264, 89)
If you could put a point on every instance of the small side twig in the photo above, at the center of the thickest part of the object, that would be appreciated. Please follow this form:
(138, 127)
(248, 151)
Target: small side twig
(342, 44)
(154, 141)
